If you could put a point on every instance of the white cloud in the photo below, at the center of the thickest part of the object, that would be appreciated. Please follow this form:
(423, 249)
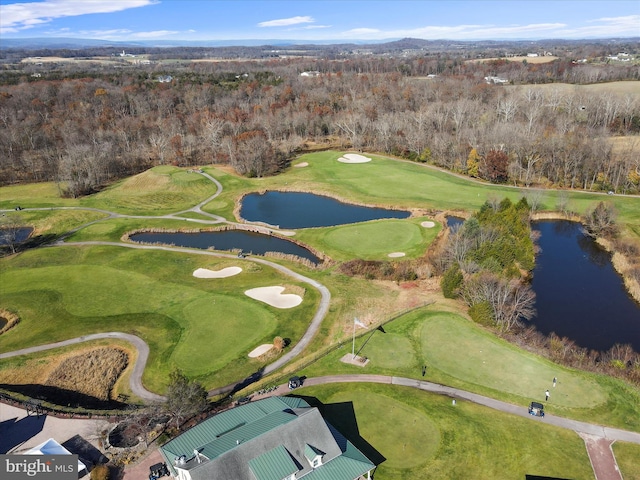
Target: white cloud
(285, 22)
(21, 16)
(154, 34)
(460, 32)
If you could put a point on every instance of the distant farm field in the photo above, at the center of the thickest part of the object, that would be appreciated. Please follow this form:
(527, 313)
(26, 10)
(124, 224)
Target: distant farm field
(621, 88)
(539, 59)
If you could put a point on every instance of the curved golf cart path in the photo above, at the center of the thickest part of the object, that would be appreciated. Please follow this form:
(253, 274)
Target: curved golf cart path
(136, 376)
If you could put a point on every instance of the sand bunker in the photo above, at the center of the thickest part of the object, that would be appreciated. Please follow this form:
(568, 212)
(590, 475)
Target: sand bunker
(286, 233)
(274, 297)
(428, 224)
(396, 254)
(300, 165)
(225, 272)
(261, 350)
(353, 158)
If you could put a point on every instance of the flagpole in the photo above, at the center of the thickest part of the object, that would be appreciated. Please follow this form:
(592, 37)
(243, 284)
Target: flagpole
(353, 349)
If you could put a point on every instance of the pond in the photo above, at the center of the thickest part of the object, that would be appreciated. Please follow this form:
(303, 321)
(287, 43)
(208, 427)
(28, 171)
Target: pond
(579, 294)
(306, 210)
(248, 242)
(20, 235)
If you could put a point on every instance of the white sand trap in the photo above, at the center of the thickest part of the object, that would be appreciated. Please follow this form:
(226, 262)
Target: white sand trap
(224, 273)
(300, 165)
(396, 254)
(354, 158)
(286, 233)
(428, 224)
(261, 350)
(274, 297)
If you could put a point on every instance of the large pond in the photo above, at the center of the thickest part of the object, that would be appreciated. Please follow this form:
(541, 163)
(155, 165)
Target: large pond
(306, 210)
(579, 294)
(248, 242)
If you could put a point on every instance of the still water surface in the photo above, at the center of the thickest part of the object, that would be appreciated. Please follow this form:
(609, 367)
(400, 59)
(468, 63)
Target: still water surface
(307, 210)
(579, 294)
(248, 242)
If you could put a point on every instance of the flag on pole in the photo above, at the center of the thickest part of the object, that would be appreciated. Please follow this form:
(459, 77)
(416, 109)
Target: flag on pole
(359, 323)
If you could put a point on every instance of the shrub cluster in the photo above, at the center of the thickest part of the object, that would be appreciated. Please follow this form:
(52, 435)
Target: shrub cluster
(381, 270)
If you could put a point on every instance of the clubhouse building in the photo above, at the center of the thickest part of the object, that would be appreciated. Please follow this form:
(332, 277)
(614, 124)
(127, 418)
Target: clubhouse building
(277, 438)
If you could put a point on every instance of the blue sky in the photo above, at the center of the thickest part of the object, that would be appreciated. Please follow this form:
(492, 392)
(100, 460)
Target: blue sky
(319, 20)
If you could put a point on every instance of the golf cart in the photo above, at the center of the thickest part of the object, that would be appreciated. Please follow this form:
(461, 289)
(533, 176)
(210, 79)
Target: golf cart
(158, 470)
(295, 382)
(536, 409)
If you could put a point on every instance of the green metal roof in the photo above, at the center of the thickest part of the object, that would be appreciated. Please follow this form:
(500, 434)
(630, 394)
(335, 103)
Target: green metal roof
(226, 422)
(246, 433)
(310, 452)
(340, 468)
(275, 464)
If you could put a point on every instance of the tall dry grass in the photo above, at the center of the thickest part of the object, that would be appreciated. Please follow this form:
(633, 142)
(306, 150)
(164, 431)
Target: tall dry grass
(93, 372)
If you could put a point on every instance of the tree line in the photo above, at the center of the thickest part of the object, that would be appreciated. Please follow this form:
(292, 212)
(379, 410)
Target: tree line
(87, 128)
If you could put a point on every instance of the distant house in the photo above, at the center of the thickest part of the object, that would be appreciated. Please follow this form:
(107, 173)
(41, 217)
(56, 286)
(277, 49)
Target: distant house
(277, 438)
(495, 80)
(164, 78)
(312, 73)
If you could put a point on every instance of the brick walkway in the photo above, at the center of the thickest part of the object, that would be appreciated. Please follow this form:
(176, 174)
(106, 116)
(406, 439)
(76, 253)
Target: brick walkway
(140, 471)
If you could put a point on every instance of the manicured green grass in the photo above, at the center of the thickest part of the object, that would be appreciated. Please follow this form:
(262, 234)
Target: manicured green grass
(56, 222)
(459, 353)
(157, 191)
(206, 327)
(416, 434)
(371, 240)
(400, 184)
(627, 455)
(34, 195)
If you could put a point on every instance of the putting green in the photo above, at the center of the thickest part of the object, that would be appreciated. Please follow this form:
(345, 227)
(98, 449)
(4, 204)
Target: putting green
(463, 350)
(391, 350)
(216, 334)
(367, 239)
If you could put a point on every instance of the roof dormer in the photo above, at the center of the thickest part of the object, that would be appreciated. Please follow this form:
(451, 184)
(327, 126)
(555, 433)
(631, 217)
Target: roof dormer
(313, 455)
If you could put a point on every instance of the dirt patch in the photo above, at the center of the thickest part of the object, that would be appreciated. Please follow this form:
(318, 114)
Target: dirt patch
(92, 373)
(7, 320)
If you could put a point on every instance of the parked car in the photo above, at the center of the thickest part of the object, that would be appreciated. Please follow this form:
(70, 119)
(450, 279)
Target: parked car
(536, 409)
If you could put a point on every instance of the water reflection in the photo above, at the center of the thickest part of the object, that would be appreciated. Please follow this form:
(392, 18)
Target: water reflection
(20, 235)
(307, 210)
(579, 295)
(248, 242)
